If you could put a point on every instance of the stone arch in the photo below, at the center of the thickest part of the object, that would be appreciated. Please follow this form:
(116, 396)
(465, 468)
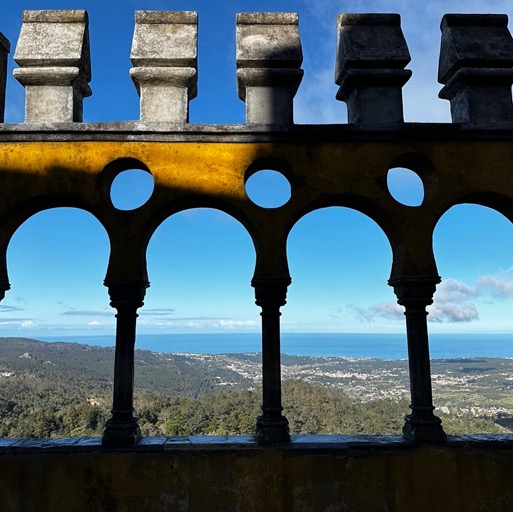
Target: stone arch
(339, 239)
(485, 236)
(201, 222)
(366, 207)
(54, 242)
(22, 213)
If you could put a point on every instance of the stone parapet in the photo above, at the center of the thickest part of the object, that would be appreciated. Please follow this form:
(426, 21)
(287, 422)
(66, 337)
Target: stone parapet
(476, 67)
(269, 58)
(371, 56)
(55, 69)
(164, 56)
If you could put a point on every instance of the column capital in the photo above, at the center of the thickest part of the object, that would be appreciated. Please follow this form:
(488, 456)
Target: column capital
(129, 293)
(415, 290)
(3, 288)
(271, 291)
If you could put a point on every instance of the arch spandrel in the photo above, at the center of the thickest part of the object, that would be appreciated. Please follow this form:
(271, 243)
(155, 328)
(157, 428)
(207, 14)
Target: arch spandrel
(37, 175)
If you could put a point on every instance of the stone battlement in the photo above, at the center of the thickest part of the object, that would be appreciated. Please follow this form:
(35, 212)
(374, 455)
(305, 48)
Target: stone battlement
(476, 66)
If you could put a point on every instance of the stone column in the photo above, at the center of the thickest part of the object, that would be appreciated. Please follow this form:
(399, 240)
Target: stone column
(269, 58)
(271, 427)
(5, 48)
(415, 294)
(371, 56)
(55, 67)
(126, 297)
(476, 67)
(164, 56)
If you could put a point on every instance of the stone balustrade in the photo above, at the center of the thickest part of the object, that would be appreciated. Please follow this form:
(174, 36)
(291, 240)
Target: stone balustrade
(53, 159)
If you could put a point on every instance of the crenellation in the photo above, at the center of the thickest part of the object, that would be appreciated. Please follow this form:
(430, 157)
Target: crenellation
(269, 58)
(55, 65)
(476, 67)
(164, 56)
(371, 56)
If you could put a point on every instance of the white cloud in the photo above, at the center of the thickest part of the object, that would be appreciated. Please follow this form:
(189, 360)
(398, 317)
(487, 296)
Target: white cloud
(453, 290)
(451, 305)
(94, 323)
(388, 310)
(499, 286)
(451, 312)
(233, 324)
(28, 324)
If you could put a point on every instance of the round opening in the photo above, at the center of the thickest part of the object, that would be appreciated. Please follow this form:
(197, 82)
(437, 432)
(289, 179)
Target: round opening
(405, 186)
(131, 189)
(268, 189)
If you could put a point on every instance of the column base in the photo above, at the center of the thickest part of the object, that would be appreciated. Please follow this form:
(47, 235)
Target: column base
(272, 431)
(121, 433)
(424, 431)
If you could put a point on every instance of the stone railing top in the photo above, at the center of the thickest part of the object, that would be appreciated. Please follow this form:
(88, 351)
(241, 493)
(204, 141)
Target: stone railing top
(267, 18)
(369, 19)
(55, 16)
(166, 18)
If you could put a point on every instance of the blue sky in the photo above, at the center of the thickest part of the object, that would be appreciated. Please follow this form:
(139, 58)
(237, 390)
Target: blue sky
(201, 261)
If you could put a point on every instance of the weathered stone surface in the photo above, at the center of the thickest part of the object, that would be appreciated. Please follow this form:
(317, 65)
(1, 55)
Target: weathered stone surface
(269, 56)
(164, 55)
(371, 55)
(5, 48)
(476, 67)
(166, 39)
(268, 40)
(55, 68)
(51, 164)
(313, 474)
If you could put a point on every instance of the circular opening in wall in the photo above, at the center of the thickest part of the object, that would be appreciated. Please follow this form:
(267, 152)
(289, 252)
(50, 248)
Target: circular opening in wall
(131, 189)
(405, 186)
(268, 189)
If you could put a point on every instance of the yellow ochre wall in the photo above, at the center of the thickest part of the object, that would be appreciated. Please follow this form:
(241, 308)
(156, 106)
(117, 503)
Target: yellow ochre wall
(381, 476)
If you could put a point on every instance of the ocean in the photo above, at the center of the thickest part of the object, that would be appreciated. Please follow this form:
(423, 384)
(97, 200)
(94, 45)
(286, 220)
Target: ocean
(379, 346)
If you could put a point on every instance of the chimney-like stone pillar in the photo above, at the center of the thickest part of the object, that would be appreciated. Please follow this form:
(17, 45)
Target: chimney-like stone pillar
(5, 48)
(164, 55)
(371, 56)
(269, 58)
(55, 66)
(476, 67)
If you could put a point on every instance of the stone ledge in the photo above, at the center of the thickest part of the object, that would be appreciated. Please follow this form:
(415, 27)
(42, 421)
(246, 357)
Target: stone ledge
(310, 443)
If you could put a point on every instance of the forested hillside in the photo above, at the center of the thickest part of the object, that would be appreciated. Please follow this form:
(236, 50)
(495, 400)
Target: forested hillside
(64, 389)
